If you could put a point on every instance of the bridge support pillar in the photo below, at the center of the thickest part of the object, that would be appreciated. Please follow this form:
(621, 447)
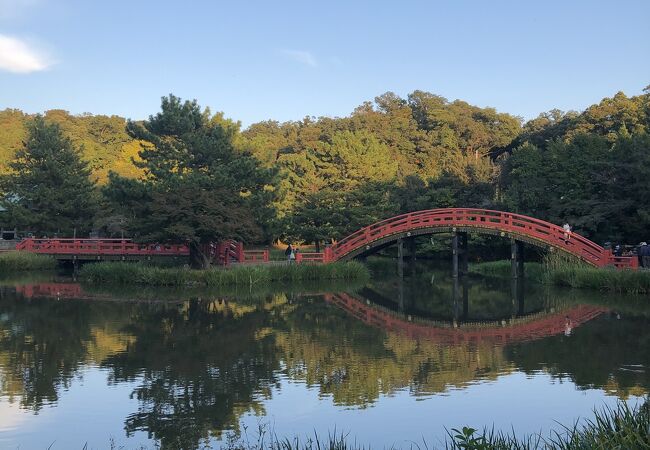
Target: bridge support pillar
(517, 296)
(400, 257)
(460, 264)
(517, 258)
(460, 293)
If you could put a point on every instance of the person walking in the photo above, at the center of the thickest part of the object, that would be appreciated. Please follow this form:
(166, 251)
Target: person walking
(288, 252)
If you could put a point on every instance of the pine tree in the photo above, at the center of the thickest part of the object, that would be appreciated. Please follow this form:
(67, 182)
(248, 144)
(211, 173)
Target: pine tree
(198, 187)
(49, 188)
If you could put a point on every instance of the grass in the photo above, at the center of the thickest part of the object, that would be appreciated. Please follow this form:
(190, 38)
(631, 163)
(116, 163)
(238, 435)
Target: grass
(21, 261)
(134, 273)
(561, 270)
(622, 427)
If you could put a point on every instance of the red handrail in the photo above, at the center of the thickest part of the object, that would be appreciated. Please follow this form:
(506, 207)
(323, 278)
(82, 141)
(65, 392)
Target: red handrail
(538, 231)
(99, 247)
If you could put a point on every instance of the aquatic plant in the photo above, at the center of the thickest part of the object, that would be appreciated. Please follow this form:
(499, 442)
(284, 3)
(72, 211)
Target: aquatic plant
(20, 261)
(561, 270)
(135, 273)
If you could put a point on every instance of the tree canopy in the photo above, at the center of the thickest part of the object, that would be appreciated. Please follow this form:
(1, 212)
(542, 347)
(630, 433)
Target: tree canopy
(197, 188)
(389, 156)
(48, 190)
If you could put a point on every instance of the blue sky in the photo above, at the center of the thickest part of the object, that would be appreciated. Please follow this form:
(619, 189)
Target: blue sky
(258, 60)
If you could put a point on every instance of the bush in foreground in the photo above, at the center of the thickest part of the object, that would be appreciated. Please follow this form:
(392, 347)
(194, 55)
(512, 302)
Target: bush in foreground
(134, 273)
(19, 261)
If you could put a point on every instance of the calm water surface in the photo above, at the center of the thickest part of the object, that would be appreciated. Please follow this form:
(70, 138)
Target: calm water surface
(389, 362)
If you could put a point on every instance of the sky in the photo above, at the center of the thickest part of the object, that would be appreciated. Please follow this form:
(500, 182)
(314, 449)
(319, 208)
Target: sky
(285, 60)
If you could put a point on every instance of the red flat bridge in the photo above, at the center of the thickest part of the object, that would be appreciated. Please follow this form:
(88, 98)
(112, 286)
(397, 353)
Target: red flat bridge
(223, 253)
(482, 221)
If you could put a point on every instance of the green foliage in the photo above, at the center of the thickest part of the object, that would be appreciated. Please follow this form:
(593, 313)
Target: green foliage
(197, 188)
(123, 273)
(22, 261)
(590, 169)
(48, 190)
(562, 270)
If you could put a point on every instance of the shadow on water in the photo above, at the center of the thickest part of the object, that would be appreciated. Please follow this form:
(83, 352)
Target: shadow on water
(200, 359)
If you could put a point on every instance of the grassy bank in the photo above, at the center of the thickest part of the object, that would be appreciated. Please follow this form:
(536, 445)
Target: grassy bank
(20, 261)
(560, 271)
(134, 273)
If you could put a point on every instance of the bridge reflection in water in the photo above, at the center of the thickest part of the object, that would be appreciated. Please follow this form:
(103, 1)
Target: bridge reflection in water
(197, 362)
(399, 314)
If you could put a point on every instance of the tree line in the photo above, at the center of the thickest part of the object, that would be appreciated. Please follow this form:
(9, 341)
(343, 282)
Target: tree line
(188, 175)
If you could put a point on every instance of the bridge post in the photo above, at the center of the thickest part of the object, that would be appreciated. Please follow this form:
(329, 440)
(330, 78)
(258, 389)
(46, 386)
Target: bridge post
(410, 243)
(459, 254)
(400, 298)
(465, 299)
(517, 296)
(400, 257)
(517, 258)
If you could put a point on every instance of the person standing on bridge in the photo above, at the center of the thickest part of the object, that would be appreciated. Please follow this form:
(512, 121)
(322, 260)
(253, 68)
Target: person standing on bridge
(288, 252)
(567, 232)
(644, 255)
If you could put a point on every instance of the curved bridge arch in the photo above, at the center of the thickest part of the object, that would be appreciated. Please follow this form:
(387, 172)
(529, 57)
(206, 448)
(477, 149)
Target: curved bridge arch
(524, 228)
(528, 328)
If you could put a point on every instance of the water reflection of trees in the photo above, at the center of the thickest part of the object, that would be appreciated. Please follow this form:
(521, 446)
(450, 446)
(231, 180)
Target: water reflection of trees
(355, 363)
(199, 365)
(198, 368)
(606, 354)
(45, 343)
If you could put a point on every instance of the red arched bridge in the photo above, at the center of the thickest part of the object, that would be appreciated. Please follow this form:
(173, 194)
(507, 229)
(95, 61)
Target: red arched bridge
(482, 221)
(362, 242)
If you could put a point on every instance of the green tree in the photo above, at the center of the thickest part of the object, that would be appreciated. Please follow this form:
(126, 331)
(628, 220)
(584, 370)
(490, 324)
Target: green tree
(197, 187)
(48, 189)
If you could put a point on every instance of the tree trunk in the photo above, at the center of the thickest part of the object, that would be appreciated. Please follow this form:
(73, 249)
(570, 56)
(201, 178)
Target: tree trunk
(198, 258)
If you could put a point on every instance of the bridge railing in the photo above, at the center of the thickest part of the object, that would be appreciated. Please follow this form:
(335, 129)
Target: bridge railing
(517, 224)
(310, 257)
(99, 247)
(256, 256)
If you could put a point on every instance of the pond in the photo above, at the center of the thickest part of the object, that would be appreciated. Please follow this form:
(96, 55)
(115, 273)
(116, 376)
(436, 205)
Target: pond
(390, 362)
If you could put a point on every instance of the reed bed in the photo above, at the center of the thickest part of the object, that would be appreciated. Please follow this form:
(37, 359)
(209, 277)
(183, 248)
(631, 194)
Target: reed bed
(561, 270)
(21, 261)
(134, 273)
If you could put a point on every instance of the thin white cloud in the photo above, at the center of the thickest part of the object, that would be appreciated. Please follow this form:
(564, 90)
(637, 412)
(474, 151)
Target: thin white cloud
(301, 56)
(18, 56)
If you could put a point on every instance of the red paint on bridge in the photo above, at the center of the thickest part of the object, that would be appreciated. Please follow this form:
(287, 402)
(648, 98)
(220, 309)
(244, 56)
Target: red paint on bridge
(517, 226)
(522, 329)
(223, 253)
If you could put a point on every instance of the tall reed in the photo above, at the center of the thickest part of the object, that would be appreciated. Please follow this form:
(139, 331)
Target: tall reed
(21, 261)
(135, 273)
(562, 270)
